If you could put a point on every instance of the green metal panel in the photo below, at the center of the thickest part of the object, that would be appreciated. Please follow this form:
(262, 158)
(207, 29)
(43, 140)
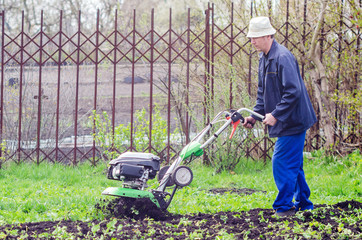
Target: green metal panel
(193, 148)
(130, 193)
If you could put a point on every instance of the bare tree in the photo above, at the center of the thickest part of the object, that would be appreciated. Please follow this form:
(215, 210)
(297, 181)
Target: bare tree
(318, 74)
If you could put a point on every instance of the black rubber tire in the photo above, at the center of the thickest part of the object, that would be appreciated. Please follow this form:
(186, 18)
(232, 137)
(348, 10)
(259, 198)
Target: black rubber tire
(162, 173)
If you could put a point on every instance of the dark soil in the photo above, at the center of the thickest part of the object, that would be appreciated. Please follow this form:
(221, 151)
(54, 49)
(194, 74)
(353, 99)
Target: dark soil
(140, 219)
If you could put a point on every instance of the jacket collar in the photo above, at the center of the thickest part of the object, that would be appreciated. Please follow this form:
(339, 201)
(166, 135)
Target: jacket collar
(272, 50)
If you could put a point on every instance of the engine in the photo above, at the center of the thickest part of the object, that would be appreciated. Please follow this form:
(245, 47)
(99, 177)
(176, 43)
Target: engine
(134, 169)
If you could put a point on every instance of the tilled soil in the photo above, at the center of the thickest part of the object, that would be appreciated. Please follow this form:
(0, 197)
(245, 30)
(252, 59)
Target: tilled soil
(140, 220)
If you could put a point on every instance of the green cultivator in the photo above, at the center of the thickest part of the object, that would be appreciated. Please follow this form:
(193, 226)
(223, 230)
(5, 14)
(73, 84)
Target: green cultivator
(134, 169)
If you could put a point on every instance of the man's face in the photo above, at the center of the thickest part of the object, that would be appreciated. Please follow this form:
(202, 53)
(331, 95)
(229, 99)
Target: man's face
(261, 43)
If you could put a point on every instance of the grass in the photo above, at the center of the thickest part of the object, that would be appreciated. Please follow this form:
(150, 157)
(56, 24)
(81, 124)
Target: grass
(48, 192)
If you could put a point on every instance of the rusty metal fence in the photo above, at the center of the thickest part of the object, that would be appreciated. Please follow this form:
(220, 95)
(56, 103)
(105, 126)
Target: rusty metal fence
(52, 82)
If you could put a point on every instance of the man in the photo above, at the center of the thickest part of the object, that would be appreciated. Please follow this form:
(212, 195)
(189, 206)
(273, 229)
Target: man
(283, 99)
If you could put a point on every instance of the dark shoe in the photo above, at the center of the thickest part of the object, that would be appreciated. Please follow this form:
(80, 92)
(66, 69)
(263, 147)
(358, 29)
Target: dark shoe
(290, 212)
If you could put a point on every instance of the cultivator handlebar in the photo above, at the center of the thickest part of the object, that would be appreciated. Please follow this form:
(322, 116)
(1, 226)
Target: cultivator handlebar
(195, 148)
(232, 118)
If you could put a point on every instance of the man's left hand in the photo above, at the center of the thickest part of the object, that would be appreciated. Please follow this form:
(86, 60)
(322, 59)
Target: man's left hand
(269, 120)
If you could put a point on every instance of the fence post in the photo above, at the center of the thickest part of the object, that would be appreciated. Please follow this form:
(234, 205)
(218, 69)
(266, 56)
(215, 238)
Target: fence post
(250, 54)
(77, 93)
(40, 89)
(21, 86)
(304, 32)
(231, 54)
(95, 87)
(212, 77)
(169, 63)
(187, 133)
(114, 77)
(287, 26)
(58, 86)
(151, 80)
(133, 75)
(2, 14)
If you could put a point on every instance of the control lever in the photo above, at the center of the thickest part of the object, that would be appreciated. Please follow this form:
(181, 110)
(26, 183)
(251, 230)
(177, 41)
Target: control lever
(236, 119)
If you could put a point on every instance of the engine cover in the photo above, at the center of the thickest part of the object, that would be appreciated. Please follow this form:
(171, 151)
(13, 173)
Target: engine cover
(132, 171)
(132, 165)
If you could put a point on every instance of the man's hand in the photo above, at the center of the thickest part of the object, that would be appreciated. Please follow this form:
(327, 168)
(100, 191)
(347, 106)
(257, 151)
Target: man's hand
(249, 122)
(269, 120)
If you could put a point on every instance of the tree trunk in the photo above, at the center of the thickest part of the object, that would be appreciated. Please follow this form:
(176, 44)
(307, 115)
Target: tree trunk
(321, 91)
(318, 74)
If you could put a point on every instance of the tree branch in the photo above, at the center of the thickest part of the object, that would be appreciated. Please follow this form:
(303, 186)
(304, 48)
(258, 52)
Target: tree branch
(317, 29)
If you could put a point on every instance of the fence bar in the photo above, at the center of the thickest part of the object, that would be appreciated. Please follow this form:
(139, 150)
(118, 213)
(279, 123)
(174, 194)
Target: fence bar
(133, 68)
(95, 85)
(169, 63)
(212, 51)
(2, 82)
(58, 86)
(40, 89)
(187, 133)
(114, 77)
(250, 54)
(287, 26)
(21, 86)
(304, 33)
(151, 79)
(77, 94)
(231, 54)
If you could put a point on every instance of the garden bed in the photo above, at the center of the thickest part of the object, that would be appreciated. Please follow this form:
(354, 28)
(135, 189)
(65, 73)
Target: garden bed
(338, 221)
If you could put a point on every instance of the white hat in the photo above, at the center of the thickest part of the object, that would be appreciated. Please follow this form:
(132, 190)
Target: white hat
(259, 27)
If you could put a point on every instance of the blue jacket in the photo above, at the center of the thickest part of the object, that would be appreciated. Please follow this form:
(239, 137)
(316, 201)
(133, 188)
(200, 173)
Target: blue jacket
(281, 92)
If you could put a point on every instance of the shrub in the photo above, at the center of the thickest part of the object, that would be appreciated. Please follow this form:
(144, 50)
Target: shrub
(111, 144)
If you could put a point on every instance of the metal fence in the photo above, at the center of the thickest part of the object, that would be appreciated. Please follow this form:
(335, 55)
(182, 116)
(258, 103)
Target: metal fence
(52, 82)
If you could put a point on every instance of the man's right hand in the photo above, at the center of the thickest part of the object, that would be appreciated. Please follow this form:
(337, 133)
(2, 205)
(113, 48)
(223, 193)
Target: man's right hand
(249, 122)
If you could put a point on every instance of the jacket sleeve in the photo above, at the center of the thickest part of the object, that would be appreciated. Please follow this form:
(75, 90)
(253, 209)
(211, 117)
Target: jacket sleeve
(259, 107)
(288, 73)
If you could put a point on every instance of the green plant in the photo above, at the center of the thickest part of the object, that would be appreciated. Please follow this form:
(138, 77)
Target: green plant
(227, 91)
(227, 154)
(111, 144)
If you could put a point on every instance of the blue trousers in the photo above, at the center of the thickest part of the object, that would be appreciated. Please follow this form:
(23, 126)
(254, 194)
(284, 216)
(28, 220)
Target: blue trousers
(289, 174)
